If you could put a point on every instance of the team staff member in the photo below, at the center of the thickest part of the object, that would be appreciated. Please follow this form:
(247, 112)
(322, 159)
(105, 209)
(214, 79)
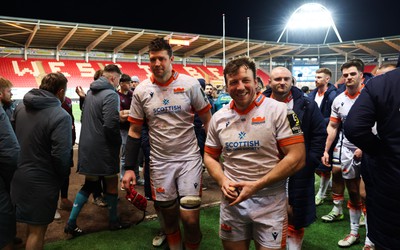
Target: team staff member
(43, 129)
(379, 103)
(261, 144)
(9, 151)
(99, 147)
(168, 101)
(302, 210)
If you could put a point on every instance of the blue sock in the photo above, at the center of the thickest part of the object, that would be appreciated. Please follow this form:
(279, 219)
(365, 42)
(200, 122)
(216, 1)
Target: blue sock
(112, 202)
(80, 200)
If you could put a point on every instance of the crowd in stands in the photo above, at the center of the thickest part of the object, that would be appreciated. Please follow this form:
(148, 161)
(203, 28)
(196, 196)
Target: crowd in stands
(263, 143)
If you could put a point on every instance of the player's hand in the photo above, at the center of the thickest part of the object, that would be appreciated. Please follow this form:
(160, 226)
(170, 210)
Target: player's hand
(123, 115)
(79, 91)
(128, 179)
(244, 189)
(325, 159)
(230, 192)
(357, 154)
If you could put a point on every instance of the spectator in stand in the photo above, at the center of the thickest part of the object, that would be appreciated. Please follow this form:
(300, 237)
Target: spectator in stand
(301, 211)
(262, 145)
(223, 99)
(260, 84)
(378, 104)
(209, 93)
(65, 202)
(125, 98)
(135, 82)
(99, 147)
(324, 94)
(97, 185)
(350, 155)
(9, 151)
(305, 89)
(41, 121)
(167, 101)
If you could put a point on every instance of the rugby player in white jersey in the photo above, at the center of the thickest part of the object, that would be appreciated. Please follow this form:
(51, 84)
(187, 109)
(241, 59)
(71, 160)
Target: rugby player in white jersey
(168, 100)
(350, 155)
(262, 144)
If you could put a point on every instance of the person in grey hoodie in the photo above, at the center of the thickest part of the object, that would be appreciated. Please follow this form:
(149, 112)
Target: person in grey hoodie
(43, 130)
(99, 147)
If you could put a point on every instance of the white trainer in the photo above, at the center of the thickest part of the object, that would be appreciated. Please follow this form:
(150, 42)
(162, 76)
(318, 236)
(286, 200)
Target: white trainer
(57, 215)
(349, 240)
(159, 239)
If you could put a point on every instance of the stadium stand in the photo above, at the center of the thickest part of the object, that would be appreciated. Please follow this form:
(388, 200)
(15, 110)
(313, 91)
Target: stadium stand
(27, 74)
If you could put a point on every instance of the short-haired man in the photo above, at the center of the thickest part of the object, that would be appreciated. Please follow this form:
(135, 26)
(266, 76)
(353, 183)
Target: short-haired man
(350, 155)
(43, 129)
(9, 151)
(99, 147)
(324, 94)
(262, 144)
(302, 211)
(168, 100)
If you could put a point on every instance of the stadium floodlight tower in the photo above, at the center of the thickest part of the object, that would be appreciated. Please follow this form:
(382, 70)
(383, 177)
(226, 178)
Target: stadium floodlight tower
(310, 16)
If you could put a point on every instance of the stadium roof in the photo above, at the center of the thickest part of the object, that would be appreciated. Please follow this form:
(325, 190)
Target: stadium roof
(58, 36)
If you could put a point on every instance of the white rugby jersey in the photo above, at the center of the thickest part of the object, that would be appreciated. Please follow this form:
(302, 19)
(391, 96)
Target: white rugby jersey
(249, 140)
(169, 111)
(340, 108)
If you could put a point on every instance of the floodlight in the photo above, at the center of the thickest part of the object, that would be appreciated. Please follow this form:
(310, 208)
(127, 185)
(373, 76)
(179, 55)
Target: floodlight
(311, 16)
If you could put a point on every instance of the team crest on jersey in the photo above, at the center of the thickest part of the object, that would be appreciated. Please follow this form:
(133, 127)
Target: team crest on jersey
(179, 90)
(294, 123)
(257, 120)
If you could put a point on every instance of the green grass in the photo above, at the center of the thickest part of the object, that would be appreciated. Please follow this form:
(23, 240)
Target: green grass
(76, 111)
(318, 236)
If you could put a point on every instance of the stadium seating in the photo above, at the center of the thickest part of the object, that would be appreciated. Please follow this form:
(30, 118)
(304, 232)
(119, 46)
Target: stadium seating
(27, 74)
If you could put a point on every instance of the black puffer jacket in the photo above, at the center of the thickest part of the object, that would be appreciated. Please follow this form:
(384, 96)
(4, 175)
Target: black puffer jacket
(301, 185)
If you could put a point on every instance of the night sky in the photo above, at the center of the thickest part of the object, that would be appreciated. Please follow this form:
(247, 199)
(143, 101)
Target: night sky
(355, 20)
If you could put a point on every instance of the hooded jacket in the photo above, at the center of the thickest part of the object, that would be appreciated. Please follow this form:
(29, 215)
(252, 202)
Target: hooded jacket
(9, 150)
(43, 130)
(100, 138)
(41, 121)
(301, 184)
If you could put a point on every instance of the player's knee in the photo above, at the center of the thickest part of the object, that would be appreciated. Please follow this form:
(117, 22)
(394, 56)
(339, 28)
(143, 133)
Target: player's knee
(165, 204)
(190, 202)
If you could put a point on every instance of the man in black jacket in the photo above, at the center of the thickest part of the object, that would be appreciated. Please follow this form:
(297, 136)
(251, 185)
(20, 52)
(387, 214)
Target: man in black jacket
(379, 103)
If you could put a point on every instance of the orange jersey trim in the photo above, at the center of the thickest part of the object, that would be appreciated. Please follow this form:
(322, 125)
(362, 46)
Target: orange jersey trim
(257, 102)
(135, 121)
(334, 119)
(291, 140)
(214, 152)
(204, 110)
(173, 77)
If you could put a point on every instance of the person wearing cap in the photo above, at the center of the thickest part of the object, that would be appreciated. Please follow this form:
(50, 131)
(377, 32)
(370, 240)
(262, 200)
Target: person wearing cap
(135, 81)
(126, 84)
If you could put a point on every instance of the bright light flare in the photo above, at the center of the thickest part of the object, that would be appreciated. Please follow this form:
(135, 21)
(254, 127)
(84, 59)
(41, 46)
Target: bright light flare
(311, 15)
